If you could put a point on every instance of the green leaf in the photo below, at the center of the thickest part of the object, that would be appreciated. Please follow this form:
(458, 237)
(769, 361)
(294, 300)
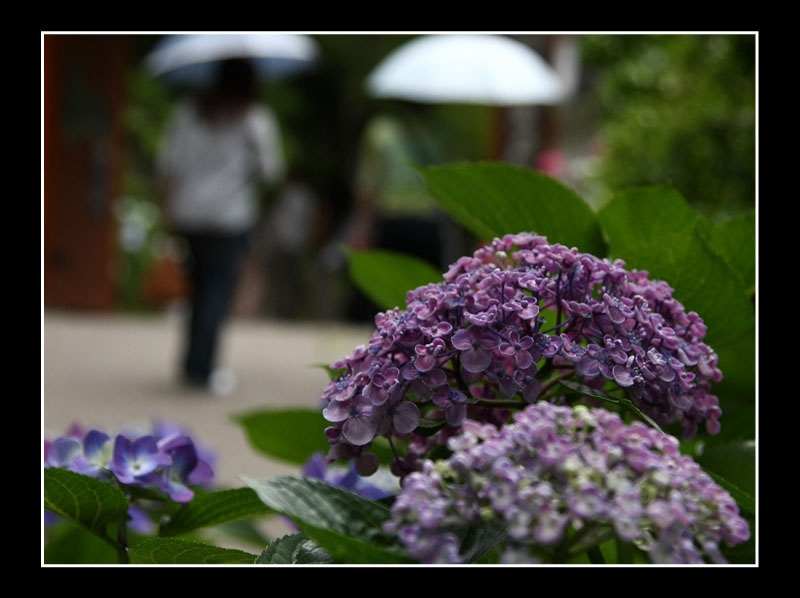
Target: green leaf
(83, 500)
(140, 492)
(734, 463)
(291, 435)
(742, 553)
(244, 531)
(745, 501)
(68, 544)
(347, 549)
(386, 276)
(294, 549)
(345, 524)
(169, 551)
(294, 435)
(654, 229)
(493, 199)
(737, 360)
(214, 508)
(735, 241)
(588, 391)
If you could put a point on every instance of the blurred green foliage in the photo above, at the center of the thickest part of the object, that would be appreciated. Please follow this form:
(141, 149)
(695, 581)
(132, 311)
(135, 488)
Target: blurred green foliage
(677, 110)
(140, 231)
(322, 112)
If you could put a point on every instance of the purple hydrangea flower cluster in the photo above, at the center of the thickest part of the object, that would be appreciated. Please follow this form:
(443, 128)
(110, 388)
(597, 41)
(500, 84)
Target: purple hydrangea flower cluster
(556, 467)
(166, 459)
(467, 345)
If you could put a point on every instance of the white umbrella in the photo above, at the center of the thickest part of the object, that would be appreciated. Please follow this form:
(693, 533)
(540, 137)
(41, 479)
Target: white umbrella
(191, 59)
(476, 69)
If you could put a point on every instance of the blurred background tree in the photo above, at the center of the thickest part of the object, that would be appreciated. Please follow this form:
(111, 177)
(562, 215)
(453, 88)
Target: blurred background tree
(677, 110)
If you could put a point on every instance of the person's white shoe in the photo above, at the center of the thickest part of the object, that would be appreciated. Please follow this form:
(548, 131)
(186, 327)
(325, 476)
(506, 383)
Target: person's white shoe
(222, 382)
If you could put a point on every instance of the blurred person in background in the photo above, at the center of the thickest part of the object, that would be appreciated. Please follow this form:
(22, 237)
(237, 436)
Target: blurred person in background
(217, 149)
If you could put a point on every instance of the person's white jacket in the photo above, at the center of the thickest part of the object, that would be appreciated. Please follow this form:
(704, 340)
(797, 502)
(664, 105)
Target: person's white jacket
(211, 169)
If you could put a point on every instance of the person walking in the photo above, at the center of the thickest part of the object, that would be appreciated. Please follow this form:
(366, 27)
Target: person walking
(217, 149)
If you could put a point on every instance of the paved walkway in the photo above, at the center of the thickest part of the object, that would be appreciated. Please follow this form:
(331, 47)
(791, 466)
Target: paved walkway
(107, 371)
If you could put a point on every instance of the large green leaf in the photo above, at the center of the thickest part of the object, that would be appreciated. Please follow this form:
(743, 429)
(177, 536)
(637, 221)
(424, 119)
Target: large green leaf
(386, 276)
(737, 360)
(492, 199)
(214, 508)
(291, 435)
(655, 229)
(170, 551)
(292, 550)
(735, 241)
(294, 435)
(83, 500)
(345, 524)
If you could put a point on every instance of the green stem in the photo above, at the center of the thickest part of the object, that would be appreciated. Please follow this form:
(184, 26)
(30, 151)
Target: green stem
(498, 404)
(561, 553)
(594, 542)
(122, 540)
(546, 368)
(624, 552)
(548, 397)
(555, 379)
(595, 556)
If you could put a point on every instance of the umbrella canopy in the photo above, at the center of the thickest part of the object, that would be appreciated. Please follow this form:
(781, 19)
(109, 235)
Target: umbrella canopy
(477, 69)
(191, 59)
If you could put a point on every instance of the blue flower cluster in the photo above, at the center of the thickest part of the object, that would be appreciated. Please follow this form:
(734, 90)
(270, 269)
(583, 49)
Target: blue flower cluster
(166, 459)
(467, 346)
(556, 468)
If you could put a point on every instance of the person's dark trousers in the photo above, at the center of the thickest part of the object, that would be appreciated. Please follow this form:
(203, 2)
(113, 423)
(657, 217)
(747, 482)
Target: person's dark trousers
(214, 264)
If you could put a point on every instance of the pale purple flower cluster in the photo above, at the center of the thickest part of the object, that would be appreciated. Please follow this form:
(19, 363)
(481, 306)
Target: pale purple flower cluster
(556, 468)
(166, 459)
(480, 336)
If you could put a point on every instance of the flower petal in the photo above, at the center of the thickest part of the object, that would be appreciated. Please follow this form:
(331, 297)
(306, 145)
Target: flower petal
(523, 359)
(476, 360)
(359, 430)
(336, 411)
(405, 417)
(622, 376)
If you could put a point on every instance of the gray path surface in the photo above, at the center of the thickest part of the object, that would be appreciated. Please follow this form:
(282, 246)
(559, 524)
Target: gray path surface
(108, 371)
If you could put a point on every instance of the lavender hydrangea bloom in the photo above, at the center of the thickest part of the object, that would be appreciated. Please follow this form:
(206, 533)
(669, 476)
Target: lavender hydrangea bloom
(556, 468)
(166, 458)
(62, 451)
(482, 332)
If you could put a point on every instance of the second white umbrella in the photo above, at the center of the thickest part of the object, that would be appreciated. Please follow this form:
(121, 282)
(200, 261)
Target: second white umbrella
(477, 69)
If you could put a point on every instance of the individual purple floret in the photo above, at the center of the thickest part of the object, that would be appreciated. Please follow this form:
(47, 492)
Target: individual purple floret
(134, 459)
(482, 333)
(556, 469)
